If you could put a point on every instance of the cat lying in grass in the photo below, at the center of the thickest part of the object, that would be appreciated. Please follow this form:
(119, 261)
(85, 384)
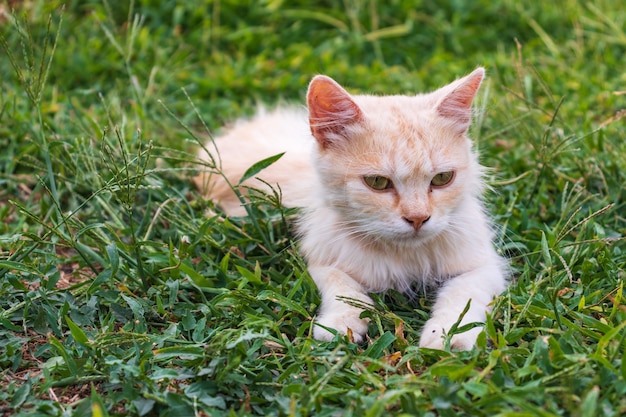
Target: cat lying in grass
(390, 190)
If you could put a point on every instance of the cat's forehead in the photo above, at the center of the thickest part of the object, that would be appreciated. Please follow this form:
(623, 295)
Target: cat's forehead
(398, 106)
(412, 118)
(405, 137)
(399, 114)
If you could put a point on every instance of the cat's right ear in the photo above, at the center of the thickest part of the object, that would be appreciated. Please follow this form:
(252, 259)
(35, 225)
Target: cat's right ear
(331, 110)
(456, 104)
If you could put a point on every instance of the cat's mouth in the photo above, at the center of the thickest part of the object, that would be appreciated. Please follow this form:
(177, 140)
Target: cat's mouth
(410, 236)
(394, 237)
(425, 234)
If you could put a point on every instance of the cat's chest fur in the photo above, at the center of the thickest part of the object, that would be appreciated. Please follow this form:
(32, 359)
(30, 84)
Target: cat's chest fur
(402, 265)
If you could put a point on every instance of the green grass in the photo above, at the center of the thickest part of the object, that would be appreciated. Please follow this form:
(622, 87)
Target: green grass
(119, 295)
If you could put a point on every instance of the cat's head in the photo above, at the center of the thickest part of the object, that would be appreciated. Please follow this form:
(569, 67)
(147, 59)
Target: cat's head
(396, 167)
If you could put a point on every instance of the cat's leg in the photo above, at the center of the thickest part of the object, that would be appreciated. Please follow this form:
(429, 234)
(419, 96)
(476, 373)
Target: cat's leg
(337, 288)
(479, 287)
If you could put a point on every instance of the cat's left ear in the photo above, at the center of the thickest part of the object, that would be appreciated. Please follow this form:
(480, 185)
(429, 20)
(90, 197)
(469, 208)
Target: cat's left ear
(331, 111)
(456, 105)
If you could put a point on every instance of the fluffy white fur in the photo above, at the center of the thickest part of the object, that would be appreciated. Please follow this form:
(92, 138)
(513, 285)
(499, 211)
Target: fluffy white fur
(358, 240)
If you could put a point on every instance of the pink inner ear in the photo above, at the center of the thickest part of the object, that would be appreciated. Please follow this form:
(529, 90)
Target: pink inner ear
(457, 104)
(331, 109)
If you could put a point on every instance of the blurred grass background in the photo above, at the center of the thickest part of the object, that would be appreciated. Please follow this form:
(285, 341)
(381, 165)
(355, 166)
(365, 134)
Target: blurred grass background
(119, 295)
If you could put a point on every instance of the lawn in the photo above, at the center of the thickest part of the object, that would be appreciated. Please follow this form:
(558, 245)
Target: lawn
(123, 292)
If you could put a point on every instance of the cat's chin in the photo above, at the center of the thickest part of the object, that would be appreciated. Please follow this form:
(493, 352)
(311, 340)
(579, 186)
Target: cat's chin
(410, 238)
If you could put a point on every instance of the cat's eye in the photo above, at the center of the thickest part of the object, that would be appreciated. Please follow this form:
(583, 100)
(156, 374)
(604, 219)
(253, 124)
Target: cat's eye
(442, 179)
(378, 183)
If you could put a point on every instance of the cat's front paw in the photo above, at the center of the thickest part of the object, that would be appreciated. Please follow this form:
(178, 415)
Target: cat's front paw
(341, 323)
(433, 337)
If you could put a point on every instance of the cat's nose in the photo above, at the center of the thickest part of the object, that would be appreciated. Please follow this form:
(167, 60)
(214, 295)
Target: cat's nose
(416, 221)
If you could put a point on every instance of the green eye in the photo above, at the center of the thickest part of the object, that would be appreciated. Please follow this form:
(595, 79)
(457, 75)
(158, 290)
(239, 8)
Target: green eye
(442, 179)
(376, 182)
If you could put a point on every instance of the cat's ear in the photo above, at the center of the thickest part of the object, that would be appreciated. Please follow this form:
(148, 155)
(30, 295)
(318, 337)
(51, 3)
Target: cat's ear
(331, 110)
(456, 105)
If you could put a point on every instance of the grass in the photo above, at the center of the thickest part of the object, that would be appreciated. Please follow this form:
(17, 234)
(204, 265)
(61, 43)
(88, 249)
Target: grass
(120, 295)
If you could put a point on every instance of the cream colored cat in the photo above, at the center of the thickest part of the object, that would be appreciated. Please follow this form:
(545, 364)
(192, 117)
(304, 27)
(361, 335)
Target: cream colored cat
(390, 191)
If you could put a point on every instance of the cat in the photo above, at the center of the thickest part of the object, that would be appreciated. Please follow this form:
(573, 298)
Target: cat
(390, 190)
